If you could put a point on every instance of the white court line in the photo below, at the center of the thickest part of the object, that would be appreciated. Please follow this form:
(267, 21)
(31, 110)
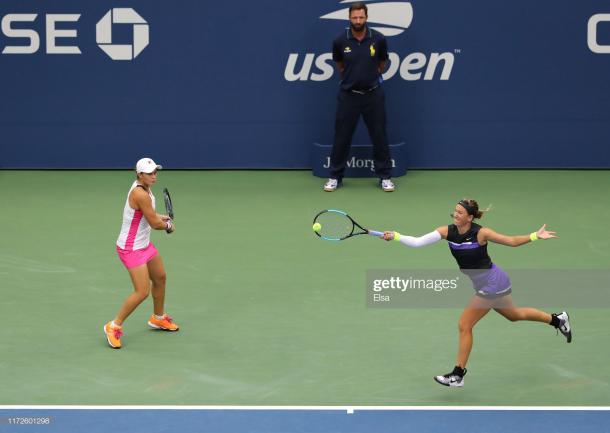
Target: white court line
(349, 409)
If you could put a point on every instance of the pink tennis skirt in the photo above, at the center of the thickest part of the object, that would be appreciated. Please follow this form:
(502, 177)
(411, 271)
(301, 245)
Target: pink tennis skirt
(135, 258)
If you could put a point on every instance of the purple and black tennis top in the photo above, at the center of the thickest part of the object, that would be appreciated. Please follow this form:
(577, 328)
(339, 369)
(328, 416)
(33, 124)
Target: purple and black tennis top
(466, 249)
(490, 280)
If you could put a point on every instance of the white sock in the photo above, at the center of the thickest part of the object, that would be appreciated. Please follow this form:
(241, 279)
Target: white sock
(160, 317)
(114, 324)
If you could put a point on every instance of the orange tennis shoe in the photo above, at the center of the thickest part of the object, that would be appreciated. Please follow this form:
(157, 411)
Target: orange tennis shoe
(165, 324)
(113, 335)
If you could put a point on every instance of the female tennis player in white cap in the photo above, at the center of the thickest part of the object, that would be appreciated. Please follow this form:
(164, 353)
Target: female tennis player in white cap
(139, 255)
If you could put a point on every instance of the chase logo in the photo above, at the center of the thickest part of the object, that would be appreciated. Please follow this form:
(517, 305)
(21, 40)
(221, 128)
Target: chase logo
(61, 39)
(592, 39)
(388, 18)
(103, 33)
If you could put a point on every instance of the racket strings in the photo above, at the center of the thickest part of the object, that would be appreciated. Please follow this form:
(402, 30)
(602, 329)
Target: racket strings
(334, 225)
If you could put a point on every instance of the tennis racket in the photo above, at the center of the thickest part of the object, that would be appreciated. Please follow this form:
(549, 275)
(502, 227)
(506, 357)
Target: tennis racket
(169, 207)
(336, 225)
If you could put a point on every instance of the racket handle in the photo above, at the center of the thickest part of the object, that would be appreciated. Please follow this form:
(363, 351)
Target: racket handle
(374, 233)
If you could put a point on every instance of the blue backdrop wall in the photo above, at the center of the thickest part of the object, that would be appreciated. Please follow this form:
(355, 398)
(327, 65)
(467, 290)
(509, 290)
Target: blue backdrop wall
(230, 84)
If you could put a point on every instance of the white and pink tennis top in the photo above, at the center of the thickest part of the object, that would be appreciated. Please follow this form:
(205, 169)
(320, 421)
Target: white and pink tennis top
(135, 232)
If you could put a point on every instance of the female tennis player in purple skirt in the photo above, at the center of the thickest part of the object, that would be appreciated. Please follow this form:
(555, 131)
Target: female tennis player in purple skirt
(468, 245)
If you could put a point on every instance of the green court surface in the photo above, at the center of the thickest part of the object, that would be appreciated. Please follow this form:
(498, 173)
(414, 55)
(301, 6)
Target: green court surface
(271, 315)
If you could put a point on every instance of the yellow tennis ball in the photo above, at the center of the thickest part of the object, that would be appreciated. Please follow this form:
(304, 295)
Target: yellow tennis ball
(317, 227)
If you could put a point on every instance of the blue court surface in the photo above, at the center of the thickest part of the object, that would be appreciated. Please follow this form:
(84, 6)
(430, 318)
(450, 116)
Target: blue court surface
(305, 420)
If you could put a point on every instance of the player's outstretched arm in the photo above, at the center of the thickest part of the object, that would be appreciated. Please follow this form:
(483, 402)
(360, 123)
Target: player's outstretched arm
(415, 242)
(488, 235)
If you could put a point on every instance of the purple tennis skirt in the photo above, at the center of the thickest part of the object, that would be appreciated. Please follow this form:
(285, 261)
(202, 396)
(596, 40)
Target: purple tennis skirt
(489, 283)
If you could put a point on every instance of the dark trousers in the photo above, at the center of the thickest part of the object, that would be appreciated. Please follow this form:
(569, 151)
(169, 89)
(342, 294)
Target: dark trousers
(350, 106)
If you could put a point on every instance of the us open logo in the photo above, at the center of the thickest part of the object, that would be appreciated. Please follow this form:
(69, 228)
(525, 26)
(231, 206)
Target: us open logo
(390, 18)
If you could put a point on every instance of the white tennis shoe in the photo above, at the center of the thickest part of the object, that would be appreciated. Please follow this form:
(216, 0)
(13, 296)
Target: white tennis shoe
(451, 379)
(564, 325)
(387, 185)
(331, 185)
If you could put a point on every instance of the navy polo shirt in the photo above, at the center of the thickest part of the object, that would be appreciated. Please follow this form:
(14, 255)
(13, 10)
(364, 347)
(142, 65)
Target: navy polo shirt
(360, 58)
